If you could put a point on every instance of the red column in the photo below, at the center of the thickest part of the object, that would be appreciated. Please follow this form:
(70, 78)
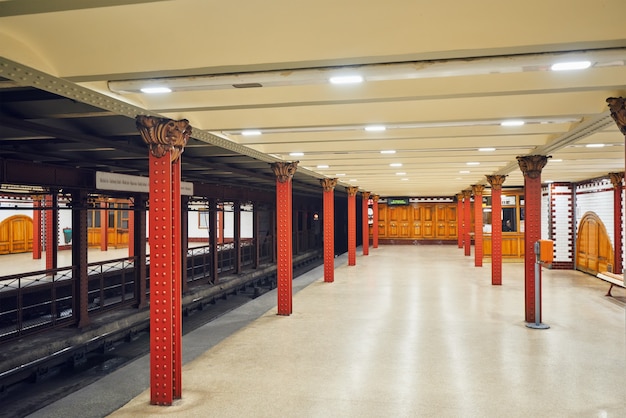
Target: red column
(37, 228)
(477, 189)
(166, 139)
(617, 181)
(365, 197)
(51, 227)
(176, 281)
(467, 221)
(375, 222)
(131, 232)
(496, 228)
(460, 228)
(352, 225)
(328, 185)
(531, 167)
(284, 225)
(104, 226)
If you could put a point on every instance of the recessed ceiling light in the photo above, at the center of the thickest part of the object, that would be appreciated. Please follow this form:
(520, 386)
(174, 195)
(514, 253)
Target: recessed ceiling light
(375, 128)
(488, 149)
(464, 172)
(340, 174)
(594, 145)
(549, 181)
(388, 151)
(573, 65)
(156, 90)
(296, 154)
(404, 179)
(251, 132)
(346, 79)
(555, 161)
(322, 166)
(512, 123)
(352, 180)
(395, 165)
(473, 163)
(400, 174)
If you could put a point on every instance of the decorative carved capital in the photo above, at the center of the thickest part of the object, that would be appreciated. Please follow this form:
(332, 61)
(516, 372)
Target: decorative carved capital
(352, 190)
(496, 181)
(284, 171)
(477, 189)
(531, 165)
(163, 135)
(375, 198)
(365, 195)
(328, 184)
(467, 193)
(616, 179)
(617, 105)
(459, 197)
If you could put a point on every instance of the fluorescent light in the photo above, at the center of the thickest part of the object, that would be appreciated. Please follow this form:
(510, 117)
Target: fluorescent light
(346, 79)
(400, 174)
(250, 132)
(388, 151)
(464, 172)
(352, 180)
(404, 179)
(375, 128)
(296, 154)
(572, 65)
(555, 161)
(512, 123)
(395, 165)
(340, 174)
(473, 163)
(488, 149)
(156, 90)
(322, 166)
(594, 145)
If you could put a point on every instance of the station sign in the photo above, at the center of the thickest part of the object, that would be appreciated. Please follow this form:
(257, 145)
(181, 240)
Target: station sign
(128, 183)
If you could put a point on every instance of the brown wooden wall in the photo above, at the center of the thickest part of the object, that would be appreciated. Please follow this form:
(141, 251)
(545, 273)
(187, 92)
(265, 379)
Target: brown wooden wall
(418, 221)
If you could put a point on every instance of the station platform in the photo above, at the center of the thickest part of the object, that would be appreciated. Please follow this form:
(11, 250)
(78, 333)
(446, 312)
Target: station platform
(410, 331)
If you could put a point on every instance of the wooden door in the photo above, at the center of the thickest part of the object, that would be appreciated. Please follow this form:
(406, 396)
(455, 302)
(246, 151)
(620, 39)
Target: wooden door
(16, 235)
(594, 250)
(417, 222)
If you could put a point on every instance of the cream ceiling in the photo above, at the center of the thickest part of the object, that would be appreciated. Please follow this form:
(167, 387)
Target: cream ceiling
(441, 76)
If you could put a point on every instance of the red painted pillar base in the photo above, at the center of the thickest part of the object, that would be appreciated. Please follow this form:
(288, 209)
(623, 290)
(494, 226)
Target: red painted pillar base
(467, 221)
(617, 181)
(477, 189)
(496, 182)
(352, 225)
(531, 166)
(161, 326)
(329, 229)
(375, 223)
(365, 196)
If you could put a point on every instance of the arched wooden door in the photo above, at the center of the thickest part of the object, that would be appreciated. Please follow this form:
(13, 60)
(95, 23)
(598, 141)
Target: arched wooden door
(594, 250)
(16, 235)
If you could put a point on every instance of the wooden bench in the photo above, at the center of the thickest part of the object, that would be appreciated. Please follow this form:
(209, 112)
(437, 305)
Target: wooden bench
(613, 279)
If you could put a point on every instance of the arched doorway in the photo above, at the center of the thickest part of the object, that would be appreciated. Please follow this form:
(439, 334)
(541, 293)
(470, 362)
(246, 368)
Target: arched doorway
(594, 250)
(16, 235)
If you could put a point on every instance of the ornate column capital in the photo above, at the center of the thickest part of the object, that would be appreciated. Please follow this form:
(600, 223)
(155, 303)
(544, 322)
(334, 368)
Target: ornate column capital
(477, 189)
(496, 181)
(467, 193)
(617, 105)
(531, 165)
(616, 179)
(163, 135)
(365, 195)
(284, 171)
(352, 190)
(459, 197)
(375, 198)
(328, 184)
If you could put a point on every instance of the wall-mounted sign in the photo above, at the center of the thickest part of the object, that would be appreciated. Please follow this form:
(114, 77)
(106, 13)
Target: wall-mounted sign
(397, 201)
(127, 183)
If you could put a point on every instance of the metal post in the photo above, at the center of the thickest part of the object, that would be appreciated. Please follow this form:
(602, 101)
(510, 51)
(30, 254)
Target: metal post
(537, 324)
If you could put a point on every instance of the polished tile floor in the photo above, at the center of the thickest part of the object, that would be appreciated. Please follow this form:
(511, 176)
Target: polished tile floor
(410, 331)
